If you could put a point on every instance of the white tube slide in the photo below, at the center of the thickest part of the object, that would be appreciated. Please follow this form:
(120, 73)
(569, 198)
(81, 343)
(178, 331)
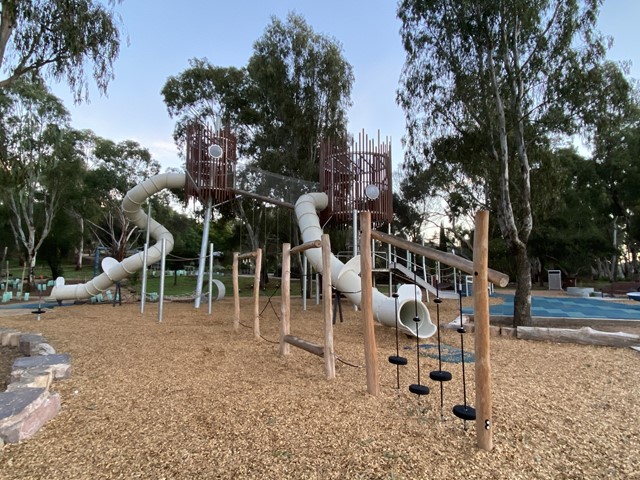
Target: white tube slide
(131, 205)
(346, 277)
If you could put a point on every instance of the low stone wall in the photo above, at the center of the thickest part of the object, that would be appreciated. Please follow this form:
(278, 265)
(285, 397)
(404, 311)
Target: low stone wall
(28, 403)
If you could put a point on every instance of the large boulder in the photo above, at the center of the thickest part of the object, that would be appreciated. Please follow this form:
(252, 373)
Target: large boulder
(24, 411)
(59, 364)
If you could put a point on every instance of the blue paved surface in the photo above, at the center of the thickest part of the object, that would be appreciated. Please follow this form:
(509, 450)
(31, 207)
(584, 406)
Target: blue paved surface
(10, 306)
(563, 307)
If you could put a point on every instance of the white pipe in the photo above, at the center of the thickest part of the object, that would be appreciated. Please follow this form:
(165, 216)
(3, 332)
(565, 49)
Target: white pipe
(131, 207)
(346, 277)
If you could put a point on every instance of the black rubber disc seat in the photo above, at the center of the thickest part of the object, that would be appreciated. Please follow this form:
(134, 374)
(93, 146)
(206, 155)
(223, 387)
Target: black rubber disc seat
(419, 389)
(396, 360)
(39, 311)
(464, 412)
(440, 376)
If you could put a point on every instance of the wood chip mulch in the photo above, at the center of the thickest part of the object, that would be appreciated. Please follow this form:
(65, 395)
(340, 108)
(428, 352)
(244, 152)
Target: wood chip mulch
(191, 398)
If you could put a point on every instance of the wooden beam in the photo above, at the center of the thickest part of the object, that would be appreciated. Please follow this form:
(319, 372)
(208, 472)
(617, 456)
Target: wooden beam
(306, 246)
(366, 303)
(455, 261)
(244, 256)
(484, 420)
(262, 198)
(584, 336)
(304, 345)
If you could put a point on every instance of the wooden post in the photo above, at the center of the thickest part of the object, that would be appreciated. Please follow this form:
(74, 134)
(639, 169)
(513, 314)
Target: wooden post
(285, 322)
(285, 308)
(256, 294)
(366, 303)
(484, 421)
(327, 295)
(236, 293)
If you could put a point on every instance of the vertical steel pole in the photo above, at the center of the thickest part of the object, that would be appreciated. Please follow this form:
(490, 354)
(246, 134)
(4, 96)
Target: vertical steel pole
(304, 282)
(203, 254)
(389, 260)
(163, 263)
(145, 256)
(355, 242)
(210, 275)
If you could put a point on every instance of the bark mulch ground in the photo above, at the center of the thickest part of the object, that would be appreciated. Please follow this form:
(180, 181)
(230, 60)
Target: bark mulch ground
(191, 398)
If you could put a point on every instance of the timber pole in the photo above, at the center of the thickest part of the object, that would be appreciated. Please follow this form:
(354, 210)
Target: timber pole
(327, 296)
(236, 293)
(370, 348)
(484, 421)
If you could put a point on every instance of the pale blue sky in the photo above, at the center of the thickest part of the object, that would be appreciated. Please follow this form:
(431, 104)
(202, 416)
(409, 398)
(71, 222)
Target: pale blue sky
(165, 35)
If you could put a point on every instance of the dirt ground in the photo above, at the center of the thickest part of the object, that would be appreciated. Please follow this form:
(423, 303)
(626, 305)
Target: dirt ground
(191, 398)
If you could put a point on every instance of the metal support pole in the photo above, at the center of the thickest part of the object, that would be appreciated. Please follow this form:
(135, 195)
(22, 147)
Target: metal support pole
(355, 243)
(355, 233)
(163, 263)
(210, 275)
(145, 256)
(203, 254)
(389, 260)
(304, 282)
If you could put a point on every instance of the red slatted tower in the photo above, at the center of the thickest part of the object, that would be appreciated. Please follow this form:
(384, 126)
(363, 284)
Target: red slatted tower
(357, 177)
(209, 177)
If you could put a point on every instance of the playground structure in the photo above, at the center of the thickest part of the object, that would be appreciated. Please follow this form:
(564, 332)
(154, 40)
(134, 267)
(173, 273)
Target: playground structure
(346, 277)
(482, 274)
(210, 178)
(326, 350)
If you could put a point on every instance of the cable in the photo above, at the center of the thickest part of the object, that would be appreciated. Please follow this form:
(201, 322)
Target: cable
(347, 363)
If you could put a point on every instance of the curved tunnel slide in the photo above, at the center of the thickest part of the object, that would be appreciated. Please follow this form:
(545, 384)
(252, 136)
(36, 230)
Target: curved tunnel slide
(346, 277)
(131, 205)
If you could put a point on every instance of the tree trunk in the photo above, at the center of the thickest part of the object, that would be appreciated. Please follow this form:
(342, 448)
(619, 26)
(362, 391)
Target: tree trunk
(522, 300)
(31, 261)
(80, 246)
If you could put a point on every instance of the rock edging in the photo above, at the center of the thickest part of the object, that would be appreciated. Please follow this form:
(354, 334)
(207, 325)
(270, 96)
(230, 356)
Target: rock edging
(28, 403)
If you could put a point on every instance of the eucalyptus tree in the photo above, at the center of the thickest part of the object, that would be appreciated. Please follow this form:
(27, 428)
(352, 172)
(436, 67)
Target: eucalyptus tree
(500, 70)
(294, 91)
(615, 112)
(571, 214)
(59, 40)
(39, 160)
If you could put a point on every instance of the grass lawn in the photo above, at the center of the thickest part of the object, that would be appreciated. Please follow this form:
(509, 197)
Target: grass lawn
(173, 285)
